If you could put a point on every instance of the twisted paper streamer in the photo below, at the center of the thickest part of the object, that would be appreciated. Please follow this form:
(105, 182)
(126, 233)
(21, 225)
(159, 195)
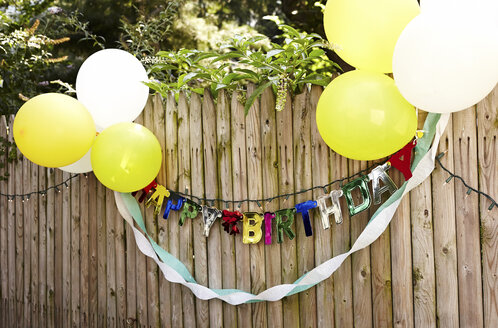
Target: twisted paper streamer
(174, 271)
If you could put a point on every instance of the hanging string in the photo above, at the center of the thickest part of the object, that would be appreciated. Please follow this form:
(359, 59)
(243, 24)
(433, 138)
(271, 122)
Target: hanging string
(269, 199)
(43, 192)
(469, 188)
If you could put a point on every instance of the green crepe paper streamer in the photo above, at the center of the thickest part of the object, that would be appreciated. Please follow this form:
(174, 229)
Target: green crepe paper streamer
(421, 149)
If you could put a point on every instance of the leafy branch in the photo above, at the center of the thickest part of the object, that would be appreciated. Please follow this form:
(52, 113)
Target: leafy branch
(298, 60)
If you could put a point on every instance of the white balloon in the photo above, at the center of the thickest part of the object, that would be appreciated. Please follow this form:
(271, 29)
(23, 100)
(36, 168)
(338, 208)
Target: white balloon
(446, 61)
(84, 165)
(109, 84)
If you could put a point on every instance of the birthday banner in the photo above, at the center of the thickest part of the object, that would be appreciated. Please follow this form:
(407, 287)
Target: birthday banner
(176, 272)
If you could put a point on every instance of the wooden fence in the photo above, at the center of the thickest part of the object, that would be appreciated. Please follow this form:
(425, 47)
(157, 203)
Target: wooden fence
(67, 258)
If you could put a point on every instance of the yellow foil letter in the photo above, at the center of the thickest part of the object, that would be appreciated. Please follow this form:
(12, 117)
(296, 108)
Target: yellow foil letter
(252, 228)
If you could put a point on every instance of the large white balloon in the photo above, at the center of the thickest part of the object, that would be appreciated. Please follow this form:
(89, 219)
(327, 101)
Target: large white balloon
(446, 61)
(109, 84)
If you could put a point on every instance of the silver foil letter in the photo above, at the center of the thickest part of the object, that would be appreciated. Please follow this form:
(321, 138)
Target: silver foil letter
(209, 215)
(379, 173)
(335, 209)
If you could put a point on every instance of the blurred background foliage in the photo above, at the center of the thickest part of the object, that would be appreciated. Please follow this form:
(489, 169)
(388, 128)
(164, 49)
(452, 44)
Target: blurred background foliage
(43, 42)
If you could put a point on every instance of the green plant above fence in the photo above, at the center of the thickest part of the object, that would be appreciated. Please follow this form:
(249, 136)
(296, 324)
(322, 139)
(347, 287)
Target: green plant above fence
(299, 60)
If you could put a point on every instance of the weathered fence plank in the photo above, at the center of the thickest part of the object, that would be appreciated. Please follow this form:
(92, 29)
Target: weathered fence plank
(273, 262)
(323, 237)
(487, 119)
(467, 220)
(184, 183)
(67, 258)
(239, 182)
(286, 185)
(445, 250)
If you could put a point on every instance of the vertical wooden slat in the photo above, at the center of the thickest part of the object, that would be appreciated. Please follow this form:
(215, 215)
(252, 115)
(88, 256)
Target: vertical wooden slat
(382, 305)
(286, 182)
(120, 259)
(158, 113)
(11, 232)
(131, 276)
(141, 270)
(467, 220)
(51, 241)
(424, 292)
(58, 249)
(211, 189)
(343, 287)
(93, 250)
(303, 180)
(224, 155)
(3, 224)
(110, 212)
(255, 191)
(488, 164)
(4, 273)
(76, 258)
(26, 259)
(445, 251)
(184, 183)
(401, 250)
(152, 229)
(101, 256)
(273, 261)
(42, 251)
(197, 171)
(239, 175)
(85, 219)
(361, 270)
(171, 165)
(34, 279)
(323, 241)
(66, 251)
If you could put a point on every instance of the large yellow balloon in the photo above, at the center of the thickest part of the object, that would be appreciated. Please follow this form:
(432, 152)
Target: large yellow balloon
(126, 157)
(53, 130)
(362, 115)
(364, 32)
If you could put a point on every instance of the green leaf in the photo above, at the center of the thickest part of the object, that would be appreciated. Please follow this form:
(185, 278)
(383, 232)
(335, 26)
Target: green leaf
(255, 95)
(273, 52)
(229, 55)
(316, 53)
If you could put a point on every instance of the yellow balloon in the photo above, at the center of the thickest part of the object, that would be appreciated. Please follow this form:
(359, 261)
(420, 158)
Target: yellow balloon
(53, 130)
(362, 115)
(364, 32)
(126, 157)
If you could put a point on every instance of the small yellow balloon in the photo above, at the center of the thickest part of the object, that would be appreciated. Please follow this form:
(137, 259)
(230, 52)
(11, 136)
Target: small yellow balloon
(53, 130)
(364, 32)
(362, 115)
(126, 157)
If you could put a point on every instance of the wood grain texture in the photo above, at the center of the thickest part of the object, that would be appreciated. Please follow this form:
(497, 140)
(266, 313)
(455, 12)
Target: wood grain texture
(224, 155)
(273, 261)
(68, 259)
(323, 238)
(239, 183)
(341, 242)
(360, 261)
(184, 183)
(401, 261)
(255, 191)
(487, 127)
(286, 185)
(424, 285)
(303, 180)
(467, 220)
(211, 191)
(445, 250)
(197, 170)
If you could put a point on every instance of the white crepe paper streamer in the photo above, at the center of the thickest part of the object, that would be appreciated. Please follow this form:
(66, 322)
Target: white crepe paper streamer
(372, 231)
